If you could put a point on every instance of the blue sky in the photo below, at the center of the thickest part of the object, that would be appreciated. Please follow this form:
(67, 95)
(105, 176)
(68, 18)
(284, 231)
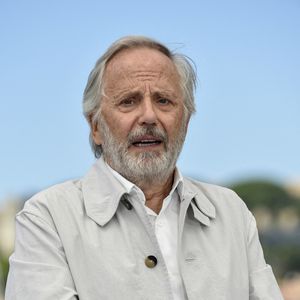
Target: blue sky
(248, 99)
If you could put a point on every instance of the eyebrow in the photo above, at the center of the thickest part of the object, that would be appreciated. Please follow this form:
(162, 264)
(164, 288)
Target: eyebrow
(116, 95)
(166, 93)
(124, 94)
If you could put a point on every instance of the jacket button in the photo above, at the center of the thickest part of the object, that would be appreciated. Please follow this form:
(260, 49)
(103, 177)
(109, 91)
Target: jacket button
(150, 261)
(126, 203)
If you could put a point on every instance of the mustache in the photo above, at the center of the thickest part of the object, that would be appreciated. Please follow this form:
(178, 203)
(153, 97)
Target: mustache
(139, 132)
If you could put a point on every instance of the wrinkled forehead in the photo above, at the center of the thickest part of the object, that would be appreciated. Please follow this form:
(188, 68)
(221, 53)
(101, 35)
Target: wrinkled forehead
(141, 63)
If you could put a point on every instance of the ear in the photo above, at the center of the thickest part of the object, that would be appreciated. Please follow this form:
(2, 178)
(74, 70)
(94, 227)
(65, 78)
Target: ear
(96, 133)
(187, 123)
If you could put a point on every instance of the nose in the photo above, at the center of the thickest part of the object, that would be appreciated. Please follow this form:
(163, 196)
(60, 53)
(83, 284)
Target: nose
(147, 113)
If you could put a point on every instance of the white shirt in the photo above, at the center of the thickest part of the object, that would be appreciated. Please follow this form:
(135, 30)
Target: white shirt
(165, 225)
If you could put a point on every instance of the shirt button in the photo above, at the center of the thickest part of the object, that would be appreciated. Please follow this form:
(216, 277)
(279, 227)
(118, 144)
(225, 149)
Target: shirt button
(159, 224)
(151, 261)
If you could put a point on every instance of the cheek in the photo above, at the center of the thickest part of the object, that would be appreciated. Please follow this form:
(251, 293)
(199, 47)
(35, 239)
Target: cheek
(119, 127)
(173, 127)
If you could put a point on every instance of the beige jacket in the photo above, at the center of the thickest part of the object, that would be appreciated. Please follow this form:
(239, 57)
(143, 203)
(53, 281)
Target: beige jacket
(84, 240)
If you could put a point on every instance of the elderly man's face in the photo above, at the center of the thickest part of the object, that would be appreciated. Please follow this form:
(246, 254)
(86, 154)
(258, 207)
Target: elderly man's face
(142, 125)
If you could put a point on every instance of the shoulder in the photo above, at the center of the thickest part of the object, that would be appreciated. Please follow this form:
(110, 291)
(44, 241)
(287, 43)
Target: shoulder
(230, 211)
(55, 200)
(224, 200)
(214, 193)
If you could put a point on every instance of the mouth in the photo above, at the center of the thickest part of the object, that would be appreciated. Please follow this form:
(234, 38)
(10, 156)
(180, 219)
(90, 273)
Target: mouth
(147, 141)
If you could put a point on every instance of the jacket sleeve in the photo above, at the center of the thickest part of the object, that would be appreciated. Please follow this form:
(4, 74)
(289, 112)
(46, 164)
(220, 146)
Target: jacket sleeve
(262, 283)
(38, 267)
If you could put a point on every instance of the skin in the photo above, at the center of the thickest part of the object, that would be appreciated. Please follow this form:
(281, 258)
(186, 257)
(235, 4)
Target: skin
(142, 87)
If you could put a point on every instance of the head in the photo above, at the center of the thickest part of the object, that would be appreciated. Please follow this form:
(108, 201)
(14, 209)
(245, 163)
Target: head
(159, 87)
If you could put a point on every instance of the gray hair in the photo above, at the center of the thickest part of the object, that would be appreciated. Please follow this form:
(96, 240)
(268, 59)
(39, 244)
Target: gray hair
(94, 88)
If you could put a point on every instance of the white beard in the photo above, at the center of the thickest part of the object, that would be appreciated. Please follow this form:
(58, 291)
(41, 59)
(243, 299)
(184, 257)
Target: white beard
(146, 167)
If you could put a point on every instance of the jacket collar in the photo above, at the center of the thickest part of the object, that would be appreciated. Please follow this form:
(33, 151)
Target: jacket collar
(202, 207)
(102, 193)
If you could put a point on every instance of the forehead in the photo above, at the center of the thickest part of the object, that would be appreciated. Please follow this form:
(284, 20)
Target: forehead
(141, 64)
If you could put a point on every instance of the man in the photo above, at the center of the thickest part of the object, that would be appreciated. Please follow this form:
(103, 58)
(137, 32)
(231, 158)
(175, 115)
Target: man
(133, 227)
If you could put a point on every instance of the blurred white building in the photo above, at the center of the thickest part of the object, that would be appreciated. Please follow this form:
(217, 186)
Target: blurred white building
(8, 210)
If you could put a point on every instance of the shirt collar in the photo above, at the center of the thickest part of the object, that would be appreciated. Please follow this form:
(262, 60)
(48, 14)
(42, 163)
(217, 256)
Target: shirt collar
(128, 185)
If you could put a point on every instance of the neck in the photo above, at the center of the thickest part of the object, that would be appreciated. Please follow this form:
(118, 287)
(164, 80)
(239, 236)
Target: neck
(156, 192)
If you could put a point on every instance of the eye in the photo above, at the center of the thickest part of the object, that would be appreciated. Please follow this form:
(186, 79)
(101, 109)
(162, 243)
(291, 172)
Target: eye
(163, 101)
(127, 102)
